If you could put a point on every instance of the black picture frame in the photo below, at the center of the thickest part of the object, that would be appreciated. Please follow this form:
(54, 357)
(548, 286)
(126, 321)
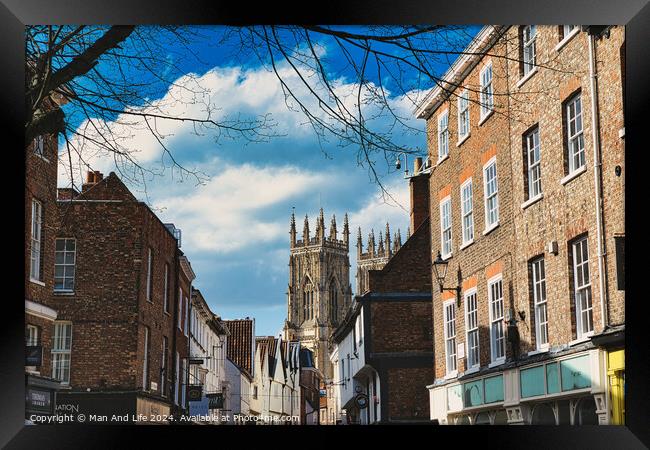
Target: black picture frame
(635, 14)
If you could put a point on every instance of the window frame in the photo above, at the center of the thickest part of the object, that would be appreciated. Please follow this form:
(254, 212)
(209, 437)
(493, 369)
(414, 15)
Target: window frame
(473, 292)
(578, 137)
(533, 133)
(145, 362)
(166, 290)
(62, 354)
(150, 275)
(39, 147)
(446, 202)
(586, 287)
(490, 225)
(450, 351)
(467, 213)
(65, 252)
(443, 134)
(463, 98)
(486, 93)
(529, 65)
(494, 340)
(537, 304)
(36, 248)
(32, 335)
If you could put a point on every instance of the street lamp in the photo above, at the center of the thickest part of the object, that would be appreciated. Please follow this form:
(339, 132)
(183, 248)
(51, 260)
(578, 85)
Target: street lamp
(398, 163)
(440, 268)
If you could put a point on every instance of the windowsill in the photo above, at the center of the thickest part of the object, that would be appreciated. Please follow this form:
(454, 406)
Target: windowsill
(39, 282)
(585, 338)
(526, 77)
(471, 370)
(531, 201)
(573, 175)
(485, 117)
(489, 229)
(543, 349)
(42, 157)
(496, 363)
(451, 375)
(168, 313)
(463, 139)
(466, 244)
(447, 256)
(621, 133)
(566, 39)
(63, 293)
(440, 160)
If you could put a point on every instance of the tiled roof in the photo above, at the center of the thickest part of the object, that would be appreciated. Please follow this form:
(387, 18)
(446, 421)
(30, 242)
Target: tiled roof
(240, 343)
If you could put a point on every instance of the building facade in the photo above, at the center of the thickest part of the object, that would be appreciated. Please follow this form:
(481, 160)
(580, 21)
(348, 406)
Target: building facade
(116, 272)
(240, 369)
(319, 288)
(527, 212)
(383, 350)
(208, 343)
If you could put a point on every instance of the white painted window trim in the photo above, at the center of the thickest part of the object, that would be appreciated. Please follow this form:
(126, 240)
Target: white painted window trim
(567, 38)
(149, 267)
(65, 251)
(532, 201)
(166, 290)
(442, 160)
(145, 362)
(445, 305)
(499, 360)
(573, 175)
(535, 281)
(486, 112)
(490, 226)
(570, 157)
(61, 351)
(526, 77)
(36, 243)
(464, 95)
(586, 285)
(529, 168)
(464, 213)
(469, 293)
(445, 114)
(446, 200)
(40, 139)
(532, 42)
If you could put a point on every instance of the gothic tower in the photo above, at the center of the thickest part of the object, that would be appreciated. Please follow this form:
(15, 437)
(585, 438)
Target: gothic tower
(319, 290)
(375, 258)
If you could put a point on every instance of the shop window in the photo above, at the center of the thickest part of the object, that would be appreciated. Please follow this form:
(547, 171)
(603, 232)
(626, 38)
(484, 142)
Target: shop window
(543, 415)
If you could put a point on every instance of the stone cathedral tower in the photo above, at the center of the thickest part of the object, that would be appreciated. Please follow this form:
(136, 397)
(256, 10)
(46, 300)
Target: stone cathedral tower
(319, 287)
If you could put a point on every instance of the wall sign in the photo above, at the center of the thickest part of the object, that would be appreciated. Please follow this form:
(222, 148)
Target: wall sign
(361, 401)
(33, 355)
(38, 401)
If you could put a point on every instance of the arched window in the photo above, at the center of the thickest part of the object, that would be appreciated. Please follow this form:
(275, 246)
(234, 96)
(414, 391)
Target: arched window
(586, 412)
(334, 302)
(543, 415)
(308, 301)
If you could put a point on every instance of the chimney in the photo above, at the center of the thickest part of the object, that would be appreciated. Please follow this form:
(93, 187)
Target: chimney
(419, 189)
(92, 178)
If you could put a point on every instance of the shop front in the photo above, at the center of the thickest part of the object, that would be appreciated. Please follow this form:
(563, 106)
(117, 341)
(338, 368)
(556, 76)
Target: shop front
(561, 390)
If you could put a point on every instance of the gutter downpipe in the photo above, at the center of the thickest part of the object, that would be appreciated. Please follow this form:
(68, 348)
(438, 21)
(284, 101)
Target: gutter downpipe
(597, 175)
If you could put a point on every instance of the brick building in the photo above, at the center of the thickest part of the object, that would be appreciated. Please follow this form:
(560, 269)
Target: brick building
(526, 132)
(382, 351)
(122, 294)
(240, 365)
(41, 325)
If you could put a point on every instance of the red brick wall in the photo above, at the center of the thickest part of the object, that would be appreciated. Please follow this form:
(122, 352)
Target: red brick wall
(389, 320)
(46, 331)
(409, 269)
(108, 308)
(408, 394)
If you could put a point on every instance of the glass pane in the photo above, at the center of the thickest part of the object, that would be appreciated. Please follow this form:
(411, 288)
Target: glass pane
(494, 389)
(69, 258)
(552, 379)
(60, 245)
(532, 381)
(58, 271)
(454, 398)
(473, 393)
(575, 373)
(70, 245)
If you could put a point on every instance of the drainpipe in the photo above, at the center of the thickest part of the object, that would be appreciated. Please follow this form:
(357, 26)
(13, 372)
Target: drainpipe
(597, 175)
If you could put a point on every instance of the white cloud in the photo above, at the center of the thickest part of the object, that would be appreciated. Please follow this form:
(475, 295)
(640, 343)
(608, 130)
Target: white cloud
(224, 214)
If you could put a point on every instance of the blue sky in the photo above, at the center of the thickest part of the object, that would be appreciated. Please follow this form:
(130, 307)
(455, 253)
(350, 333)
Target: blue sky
(236, 225)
